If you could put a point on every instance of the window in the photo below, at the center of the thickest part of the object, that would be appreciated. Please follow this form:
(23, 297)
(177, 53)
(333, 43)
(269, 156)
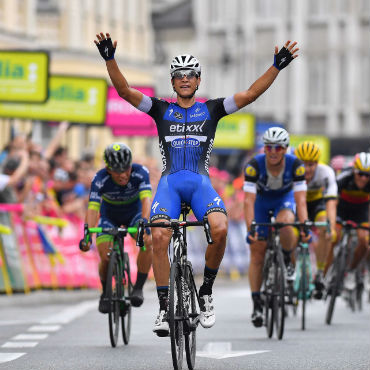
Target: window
(318, 7)
(317, 80)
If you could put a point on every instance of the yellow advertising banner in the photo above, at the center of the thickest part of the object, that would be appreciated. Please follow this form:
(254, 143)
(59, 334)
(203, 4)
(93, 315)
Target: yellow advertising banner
(71, 98)
(24, 76)
(236, 131)
(322, 141)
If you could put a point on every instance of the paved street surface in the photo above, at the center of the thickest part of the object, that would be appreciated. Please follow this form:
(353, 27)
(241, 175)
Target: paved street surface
(63, 330)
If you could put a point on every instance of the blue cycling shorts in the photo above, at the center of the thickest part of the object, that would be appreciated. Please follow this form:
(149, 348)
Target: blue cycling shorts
(263, 205)
(185, 187)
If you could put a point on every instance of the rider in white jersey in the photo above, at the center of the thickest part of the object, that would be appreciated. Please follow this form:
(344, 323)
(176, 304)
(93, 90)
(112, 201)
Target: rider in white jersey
(322, 192)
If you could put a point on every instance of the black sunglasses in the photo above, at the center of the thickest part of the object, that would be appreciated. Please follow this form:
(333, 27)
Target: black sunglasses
(363, 174)
(188, 73)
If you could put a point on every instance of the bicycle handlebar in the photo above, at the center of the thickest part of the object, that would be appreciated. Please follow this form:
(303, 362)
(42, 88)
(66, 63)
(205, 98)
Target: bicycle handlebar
(352, 225)
(113, 230)
(173, 224)
(278, 225)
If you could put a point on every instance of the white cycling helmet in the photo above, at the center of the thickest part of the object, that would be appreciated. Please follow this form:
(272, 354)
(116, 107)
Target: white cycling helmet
(185, 61)
(276, 136)
(362, 162)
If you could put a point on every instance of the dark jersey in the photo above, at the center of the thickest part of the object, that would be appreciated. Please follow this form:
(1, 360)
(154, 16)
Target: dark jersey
(186, 135)
(108, 194)
(348, 191)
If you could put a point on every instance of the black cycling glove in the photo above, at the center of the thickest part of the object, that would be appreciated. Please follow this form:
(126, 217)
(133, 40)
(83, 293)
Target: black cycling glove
(282, 58)
(106, 49)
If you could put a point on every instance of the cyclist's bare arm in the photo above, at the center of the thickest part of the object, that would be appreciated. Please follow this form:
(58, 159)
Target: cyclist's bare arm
(249, 200)
(300, 200)
(92, 217)
(264, 82)
(126, 92)
(331, 212)
(145, 207)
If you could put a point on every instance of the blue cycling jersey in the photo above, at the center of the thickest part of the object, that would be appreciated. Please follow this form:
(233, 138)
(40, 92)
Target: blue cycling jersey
(186, 135)
(259, 180)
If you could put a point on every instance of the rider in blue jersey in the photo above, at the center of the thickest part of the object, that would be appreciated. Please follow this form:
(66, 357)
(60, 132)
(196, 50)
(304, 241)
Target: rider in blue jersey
(186, 131)
(120, 195)
(273, 181)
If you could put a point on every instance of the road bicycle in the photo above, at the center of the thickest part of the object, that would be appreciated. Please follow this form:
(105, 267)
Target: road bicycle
(274, 287)
(183, 305)
(118, 282)
(303, 285)
(336, 273)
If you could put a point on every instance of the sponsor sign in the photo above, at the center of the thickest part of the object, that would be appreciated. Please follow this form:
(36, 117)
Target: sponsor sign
(126, 120)
(236, 131)
(322, 141)
(24, 76)
(71, 98)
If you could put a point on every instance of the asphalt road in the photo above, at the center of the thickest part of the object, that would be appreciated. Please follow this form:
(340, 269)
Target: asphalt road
(64, 330)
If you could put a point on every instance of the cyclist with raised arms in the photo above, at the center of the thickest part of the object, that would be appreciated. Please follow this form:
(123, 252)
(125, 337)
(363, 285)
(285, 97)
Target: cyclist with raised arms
(353, 205)
(120, 195)
(274, 181)
(322, 192)
(186, 131)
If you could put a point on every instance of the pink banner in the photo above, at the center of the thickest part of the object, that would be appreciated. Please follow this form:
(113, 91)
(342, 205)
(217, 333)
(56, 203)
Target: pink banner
(126, 120)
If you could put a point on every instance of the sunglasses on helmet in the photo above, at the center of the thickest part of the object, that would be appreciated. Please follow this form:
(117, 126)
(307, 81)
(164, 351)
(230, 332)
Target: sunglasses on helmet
(188, 73)
(278, 148)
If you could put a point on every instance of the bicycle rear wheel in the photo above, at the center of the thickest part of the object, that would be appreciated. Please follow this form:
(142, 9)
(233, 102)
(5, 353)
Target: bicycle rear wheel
(175, 319)
(126, 304)
(335, 284)
(114, 295)
(191, 308)
(279, 295)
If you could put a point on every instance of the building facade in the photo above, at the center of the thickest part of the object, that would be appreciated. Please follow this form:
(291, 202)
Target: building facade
(67, 29)
(326, 90)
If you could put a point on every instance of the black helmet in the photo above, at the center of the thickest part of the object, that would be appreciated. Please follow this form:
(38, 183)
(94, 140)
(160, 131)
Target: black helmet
(117, 157)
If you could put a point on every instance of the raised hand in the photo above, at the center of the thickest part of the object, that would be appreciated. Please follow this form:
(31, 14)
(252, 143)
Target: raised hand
(286, 54)
(105, 46)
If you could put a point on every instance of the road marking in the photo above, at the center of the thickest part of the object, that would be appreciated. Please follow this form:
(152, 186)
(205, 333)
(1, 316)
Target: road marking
(30, 336)
(70, 313)
(6, 357)
(14, 322)
(47, 328)
(221, 350)
(19, 344)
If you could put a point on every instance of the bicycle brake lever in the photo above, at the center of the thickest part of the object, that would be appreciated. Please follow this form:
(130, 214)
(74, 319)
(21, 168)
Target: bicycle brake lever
(140, 235)
(253, 228)
(207, 230)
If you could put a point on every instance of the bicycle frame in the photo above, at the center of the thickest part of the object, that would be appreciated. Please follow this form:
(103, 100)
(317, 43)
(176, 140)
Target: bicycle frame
(118, 273)
(182, 315)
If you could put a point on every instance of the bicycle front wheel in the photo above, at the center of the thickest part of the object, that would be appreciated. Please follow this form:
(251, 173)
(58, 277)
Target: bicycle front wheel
(191, 308)
(114, 295)
(175, 319)
(303, 291)
(268, 297)
(279, 295)
(126, 303)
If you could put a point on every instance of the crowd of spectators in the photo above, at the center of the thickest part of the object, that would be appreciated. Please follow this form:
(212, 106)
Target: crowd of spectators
(46, 181)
